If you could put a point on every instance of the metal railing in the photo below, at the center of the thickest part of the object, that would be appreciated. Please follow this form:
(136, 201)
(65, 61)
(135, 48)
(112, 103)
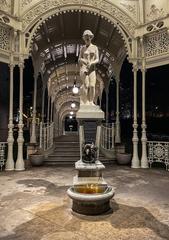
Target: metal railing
(3, 148)
(46, 136)
(158, 151)
(107, 136)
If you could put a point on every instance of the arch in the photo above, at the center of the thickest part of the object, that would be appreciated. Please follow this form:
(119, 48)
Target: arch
(34, 17)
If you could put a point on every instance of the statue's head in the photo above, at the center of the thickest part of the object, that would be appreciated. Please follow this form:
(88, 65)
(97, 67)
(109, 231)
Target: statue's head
(88, 36)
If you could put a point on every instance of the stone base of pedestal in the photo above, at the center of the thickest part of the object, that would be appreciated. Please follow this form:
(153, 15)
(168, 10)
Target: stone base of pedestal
(90, 193)
(90, 112)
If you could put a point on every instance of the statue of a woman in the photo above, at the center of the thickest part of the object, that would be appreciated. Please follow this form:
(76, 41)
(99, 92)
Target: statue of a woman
(88, 58)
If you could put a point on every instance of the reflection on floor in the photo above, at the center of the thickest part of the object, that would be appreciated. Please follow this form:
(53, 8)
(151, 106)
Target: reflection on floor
(34, 206)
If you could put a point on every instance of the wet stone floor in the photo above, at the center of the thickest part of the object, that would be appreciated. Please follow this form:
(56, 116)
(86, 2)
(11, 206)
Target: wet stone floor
(34, 206)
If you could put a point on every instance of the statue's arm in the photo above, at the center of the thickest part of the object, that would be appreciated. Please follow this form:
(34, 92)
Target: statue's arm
(96, 60)
(81, 59)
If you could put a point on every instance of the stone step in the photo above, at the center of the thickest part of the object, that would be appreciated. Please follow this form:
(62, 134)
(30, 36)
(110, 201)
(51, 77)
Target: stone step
(71, 162)
(65, 154)
(67, 149)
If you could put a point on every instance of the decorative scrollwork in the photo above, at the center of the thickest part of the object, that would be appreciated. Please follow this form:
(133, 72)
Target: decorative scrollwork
(155, 13)
(25, 3)
(5, 6)
(4, 38)
(157, 44)
(130, 8)
(158, 152)
(3, 146)
(102, 5)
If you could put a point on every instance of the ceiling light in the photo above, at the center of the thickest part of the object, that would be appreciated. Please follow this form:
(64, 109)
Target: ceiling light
(73, 105)
(75, 89)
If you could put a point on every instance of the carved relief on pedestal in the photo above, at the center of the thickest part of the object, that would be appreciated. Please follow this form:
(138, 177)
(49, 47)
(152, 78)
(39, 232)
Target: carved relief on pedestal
(4, 38)
(5, 5)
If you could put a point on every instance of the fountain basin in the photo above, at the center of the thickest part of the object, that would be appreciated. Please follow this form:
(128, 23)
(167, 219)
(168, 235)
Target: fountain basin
(92, 203)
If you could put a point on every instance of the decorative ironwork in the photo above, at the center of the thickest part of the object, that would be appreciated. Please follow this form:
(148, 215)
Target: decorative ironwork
(108, 136)
(130, 8)
(25, 3)
(46, 136)
(3, 146)
(158, 152)
(105, 6)
(4, 38)
(5, 6)
(157, 44)
(155, 13)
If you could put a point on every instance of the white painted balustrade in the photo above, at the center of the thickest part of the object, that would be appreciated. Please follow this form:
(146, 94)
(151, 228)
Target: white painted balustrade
(46, 135)
(107, 136)
(3, 146)
(158, 151)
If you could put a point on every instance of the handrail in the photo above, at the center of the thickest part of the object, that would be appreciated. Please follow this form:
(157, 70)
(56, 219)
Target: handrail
(108, 136)
(46, 135)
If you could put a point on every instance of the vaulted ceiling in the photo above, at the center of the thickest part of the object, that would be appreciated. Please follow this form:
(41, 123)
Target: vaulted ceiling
(57, 43)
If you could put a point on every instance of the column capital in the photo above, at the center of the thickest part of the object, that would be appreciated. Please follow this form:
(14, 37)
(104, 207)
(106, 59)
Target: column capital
(117, 80)
(21, 64)
(11, 65)
(135, 67)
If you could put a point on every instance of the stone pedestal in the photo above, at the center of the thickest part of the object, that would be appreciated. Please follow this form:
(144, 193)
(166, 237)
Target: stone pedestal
(90, 193)
(89, 118)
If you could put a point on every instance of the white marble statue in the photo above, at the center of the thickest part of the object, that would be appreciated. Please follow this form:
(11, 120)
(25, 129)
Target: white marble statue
(88, 58)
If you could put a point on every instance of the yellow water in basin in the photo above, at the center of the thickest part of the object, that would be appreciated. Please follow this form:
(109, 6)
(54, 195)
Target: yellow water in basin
(90, 188)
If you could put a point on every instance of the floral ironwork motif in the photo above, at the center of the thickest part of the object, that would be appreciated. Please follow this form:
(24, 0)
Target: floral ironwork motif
(157, 44)
(4, 38)
(158, 152)
(155, 13)
(3, 146)
(5, 5)
(130, 8)
(25, 2)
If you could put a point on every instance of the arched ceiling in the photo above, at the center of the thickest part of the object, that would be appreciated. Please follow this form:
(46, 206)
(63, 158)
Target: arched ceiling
(56, 46)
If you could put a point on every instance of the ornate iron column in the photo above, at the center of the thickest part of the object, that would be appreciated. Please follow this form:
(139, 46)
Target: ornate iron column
(10, 162)
(33, 133)
(51, 111)
(20, 162)
(135, 158)
(144, 160)
(107, 104)
(117, 135)
(43, 103)
(48, 111)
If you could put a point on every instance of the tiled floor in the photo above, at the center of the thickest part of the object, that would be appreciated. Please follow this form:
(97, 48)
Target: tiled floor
(34, 206)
